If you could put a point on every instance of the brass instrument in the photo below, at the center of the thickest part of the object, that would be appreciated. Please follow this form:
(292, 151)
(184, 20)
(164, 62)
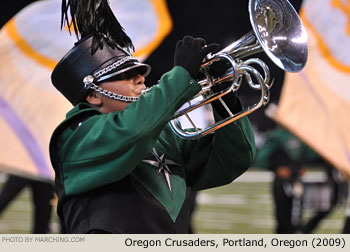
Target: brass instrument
(277, 31)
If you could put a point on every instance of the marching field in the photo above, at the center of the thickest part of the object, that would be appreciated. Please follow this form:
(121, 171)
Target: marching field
(243, 207)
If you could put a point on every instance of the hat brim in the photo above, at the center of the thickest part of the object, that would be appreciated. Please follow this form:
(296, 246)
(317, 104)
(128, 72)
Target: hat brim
(144, 70)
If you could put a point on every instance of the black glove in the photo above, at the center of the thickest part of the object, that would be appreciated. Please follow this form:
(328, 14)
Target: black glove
(189, 54)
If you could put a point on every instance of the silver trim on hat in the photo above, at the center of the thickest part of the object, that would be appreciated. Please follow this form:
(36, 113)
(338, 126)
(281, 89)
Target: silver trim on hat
(136, 65)
(100, 75)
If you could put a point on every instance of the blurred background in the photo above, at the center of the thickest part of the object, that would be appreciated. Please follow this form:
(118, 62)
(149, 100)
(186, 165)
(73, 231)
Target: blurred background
(299, 182)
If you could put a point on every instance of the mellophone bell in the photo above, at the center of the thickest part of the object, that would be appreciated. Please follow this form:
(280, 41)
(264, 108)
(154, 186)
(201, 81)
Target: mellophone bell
(277, 31)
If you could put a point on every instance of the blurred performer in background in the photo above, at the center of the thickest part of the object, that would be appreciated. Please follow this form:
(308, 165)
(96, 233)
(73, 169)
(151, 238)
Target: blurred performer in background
(42, 195)
(288, 157)
(322, 196)
(119, 167)
(282, 154)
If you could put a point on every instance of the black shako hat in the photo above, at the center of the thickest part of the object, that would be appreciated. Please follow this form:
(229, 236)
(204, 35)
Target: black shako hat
(79, 63)
(95, 55)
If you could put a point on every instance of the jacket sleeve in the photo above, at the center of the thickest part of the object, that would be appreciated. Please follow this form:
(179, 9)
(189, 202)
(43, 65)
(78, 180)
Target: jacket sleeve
(218, 158)
(107, 147)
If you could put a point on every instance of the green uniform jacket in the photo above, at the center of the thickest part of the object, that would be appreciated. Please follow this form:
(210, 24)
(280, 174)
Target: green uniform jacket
(283, 148)
(136, 148)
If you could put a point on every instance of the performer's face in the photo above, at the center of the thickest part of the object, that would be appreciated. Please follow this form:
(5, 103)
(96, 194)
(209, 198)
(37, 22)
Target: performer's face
(131, 85)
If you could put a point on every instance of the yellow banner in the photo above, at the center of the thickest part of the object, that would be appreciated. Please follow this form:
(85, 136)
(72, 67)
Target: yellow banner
(315, 103)
(30, 46)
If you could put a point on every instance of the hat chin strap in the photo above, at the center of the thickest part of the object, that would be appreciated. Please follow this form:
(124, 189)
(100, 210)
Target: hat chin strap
(90, 85)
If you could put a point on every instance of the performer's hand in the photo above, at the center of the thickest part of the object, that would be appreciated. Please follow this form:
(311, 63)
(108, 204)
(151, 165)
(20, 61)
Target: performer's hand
(189, 54)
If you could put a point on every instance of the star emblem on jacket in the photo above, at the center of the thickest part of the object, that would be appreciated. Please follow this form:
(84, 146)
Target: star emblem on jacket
(162, 164)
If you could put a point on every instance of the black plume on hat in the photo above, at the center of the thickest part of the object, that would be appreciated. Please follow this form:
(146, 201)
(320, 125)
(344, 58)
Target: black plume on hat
(103, 49)
(95, 17)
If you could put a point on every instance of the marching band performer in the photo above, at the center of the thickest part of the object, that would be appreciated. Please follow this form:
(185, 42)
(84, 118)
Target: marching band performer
(119, 167)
